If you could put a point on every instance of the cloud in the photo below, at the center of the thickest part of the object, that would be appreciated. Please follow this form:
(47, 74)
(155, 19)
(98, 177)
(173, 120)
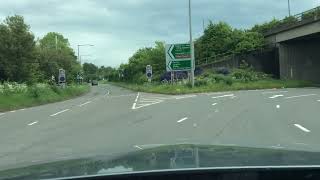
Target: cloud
(118, 28)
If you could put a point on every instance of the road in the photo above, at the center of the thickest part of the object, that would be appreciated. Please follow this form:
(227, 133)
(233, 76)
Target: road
(112, 120)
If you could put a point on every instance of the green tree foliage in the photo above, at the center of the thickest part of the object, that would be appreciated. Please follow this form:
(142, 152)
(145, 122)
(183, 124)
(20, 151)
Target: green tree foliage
(90, 71)
(135, 69)
(221, 38)
(54, 52)
(17, 55)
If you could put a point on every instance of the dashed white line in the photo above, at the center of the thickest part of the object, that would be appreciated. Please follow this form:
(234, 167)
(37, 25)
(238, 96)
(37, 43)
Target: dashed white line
(137, 97)
(228, 95)
(13, 111)
(181, 120)
(304, 144)
(214, 104)
(138, 147)
(276, 96)
(273, 92)
(2, 114)
(305, 95)
(30, 124)
(59, 112)
(302, 128)
(318, 100)
(134, 106)
(278, 106)
(85, 103)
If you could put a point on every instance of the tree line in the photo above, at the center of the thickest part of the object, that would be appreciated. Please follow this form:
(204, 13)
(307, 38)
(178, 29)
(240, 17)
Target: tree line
(25, 59)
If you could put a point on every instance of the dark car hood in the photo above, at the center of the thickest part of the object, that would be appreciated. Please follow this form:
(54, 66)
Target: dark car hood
(166, 157)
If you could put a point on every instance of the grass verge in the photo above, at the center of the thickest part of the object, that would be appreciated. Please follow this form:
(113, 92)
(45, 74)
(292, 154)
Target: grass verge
(214, 87)
(38, 95)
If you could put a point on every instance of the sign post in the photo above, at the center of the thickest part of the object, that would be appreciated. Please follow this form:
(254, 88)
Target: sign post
(62, 78)
(192, 46)
(149, 72)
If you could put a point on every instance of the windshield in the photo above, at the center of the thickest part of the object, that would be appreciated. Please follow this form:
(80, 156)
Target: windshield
(106, 80)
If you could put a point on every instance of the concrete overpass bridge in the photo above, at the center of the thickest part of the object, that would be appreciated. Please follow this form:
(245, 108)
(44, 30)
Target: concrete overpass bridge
(298, 46)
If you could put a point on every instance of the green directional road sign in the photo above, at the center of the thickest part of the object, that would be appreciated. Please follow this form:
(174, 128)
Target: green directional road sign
(178, 57)
(179, 65)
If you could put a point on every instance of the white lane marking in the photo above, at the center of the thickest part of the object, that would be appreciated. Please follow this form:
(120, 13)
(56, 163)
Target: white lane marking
(277, 147)
(125, 95)
(137, 97)
(149, 101)
(276, 96)
(88, 102)
(134, 106)
(228, 95)
(108, 92)
(150, 145)
(13, 111)
(59, 112)
(274, 92)
(302, 128)
(304, 144)
(22, 109)
(138, 147)
(181, 120)
(2, 114)
(143, 105)
(184, 97)
(278, 106)
(318, 100)
(214, 104)
(305, 95)
(30, 124)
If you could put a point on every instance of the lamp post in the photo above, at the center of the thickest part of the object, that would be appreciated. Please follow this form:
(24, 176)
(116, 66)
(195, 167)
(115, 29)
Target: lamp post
(191, 46)
(289, 8)
(79, 45)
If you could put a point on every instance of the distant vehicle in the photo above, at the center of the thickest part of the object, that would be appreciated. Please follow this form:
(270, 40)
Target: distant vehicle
(94, 83)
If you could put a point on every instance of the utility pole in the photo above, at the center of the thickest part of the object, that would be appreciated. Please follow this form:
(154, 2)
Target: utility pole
(203, 25)
(289, 8)
(191, 46)
(56, 42)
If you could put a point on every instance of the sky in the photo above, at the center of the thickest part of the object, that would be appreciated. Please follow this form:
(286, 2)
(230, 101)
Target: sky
(117, 28)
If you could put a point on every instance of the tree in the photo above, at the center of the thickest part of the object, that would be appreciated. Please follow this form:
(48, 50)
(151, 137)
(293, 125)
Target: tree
(90, 71)
(17, 55)
(53, 55)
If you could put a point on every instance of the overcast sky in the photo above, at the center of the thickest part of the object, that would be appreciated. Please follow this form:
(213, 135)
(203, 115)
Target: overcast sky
(117, 28)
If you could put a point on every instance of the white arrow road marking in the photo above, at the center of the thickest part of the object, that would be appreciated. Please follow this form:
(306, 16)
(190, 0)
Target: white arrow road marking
(306, 95)
(228, 95)
(302, 128)
(59, 112)
(181, 120)
(85, 103)
(276, 96)
(30, 124)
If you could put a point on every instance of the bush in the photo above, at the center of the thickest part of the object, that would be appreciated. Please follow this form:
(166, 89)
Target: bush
(200, 82)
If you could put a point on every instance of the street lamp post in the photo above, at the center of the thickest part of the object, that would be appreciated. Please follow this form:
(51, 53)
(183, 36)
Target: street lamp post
(191, 46)
(79, 58)
(289, 8)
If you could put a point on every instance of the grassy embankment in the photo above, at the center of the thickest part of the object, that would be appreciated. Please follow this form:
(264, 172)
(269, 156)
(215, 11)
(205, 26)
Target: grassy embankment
(17, 96)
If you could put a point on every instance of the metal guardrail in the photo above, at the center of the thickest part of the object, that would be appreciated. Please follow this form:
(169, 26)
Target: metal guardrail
(295, 21)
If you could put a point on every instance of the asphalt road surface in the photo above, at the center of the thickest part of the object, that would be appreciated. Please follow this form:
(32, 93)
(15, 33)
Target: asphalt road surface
(112, 120)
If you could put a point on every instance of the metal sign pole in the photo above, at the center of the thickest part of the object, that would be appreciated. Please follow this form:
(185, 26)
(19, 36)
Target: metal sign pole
(191, 46)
